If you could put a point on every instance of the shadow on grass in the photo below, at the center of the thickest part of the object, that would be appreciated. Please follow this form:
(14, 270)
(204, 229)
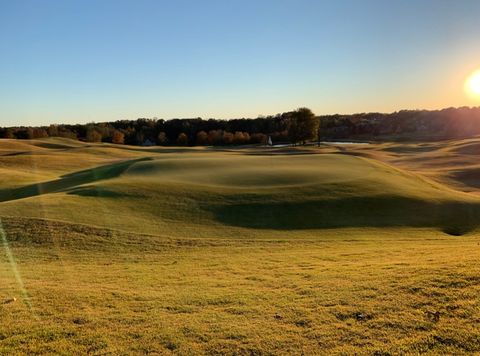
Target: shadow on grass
(454, 218)
(69, 181)
(158, 149)
(284, 152)
(410, 149)
(469, 176)
(55, 146)
(94, 191)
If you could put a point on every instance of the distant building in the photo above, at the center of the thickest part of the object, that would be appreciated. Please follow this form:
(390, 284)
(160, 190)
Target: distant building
(147, 142)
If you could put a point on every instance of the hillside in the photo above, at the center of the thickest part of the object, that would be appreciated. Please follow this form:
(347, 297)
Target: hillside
(364, 249)
(278, 190)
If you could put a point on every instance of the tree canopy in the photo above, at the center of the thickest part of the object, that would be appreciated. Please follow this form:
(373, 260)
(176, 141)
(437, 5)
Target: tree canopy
(303, 126)
(297, 126)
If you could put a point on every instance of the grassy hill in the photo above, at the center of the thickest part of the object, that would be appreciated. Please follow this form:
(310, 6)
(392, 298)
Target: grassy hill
(115, 249)
(143, 190)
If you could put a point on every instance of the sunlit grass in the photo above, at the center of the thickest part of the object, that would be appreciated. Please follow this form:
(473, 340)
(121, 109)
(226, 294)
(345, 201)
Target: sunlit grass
(360, 292)
(196, 251)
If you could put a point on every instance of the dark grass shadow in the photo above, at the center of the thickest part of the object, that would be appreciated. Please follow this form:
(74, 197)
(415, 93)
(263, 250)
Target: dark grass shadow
(410, 149)
(96, 192)
(69, 181)
(157, 149)
(244, 149)
(13, 154)
(292, 152)
(455, 218)
(54, 146)
(472, 148)
(469, 177)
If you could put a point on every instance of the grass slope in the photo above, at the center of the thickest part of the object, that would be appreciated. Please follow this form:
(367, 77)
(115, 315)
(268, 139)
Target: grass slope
(283, 191)
(117, 249)
(90, 290)
(454, 163)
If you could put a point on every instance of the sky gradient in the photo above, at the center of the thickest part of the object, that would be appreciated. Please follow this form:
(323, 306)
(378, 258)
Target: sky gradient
(65, 61)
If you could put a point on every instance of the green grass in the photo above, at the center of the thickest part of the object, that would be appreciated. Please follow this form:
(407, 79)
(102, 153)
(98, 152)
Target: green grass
(119, 250)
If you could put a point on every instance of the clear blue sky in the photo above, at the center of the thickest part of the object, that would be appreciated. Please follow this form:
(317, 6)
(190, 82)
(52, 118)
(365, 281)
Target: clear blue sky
(100, 60)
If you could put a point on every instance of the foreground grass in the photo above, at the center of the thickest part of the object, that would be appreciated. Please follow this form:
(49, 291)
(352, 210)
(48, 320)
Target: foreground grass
(370, 291)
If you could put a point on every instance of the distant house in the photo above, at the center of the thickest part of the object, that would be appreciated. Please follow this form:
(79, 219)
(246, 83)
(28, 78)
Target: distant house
(147, 142)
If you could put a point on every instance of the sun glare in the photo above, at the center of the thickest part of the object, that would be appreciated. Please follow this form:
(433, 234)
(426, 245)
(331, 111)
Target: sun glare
(472, 84)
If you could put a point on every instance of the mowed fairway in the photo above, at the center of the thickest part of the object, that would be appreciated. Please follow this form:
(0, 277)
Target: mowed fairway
(120, 249)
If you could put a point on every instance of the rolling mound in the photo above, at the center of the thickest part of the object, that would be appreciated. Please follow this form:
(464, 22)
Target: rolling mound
(453, 163)
(219, 193)
(243, 171)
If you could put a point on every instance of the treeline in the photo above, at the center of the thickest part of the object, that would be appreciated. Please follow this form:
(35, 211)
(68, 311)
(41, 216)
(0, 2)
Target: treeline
(406, 124)
(286, 127)
(297, 126)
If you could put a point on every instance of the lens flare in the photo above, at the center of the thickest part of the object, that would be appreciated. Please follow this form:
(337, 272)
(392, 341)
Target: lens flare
(15, 270)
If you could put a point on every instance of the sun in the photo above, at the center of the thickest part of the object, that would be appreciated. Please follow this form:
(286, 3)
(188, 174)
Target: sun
(472, 84)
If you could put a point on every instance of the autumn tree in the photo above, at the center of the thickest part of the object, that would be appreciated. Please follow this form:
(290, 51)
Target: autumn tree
(182, 139)
(52, 130)
(39, 132)
(303, 126)
(118, 137)
(227, 138)
(215, 137)
(162, 138)
(64, 132)
(29, 133)
(259, 138)
(8, 133)
(238, 138)
(202, 138)
(93, 136)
